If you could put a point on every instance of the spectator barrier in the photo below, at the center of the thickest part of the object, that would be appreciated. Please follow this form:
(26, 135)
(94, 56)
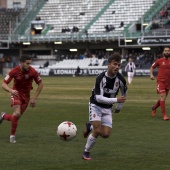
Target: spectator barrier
(85, 72)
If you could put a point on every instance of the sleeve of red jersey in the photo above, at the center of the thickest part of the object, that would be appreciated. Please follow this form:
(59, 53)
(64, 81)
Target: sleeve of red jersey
(37, 77)
(8, 78)
(155, 64)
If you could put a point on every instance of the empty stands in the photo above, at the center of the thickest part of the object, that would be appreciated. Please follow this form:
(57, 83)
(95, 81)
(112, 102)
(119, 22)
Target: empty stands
(8, 18)
(127, 11)
(74, 63)
(80, 13)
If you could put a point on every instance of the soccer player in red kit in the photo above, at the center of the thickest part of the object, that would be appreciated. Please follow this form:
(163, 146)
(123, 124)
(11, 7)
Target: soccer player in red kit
(163, 81)
(23, 76)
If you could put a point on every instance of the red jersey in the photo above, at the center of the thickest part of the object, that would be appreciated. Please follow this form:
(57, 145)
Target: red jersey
(22, 80)
(163, 69)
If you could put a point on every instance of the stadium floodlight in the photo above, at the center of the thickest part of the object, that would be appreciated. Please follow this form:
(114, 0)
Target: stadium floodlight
(146, 48)
(128, 40)
(57, 42)
(73, 50)
(109, 49)
(26, 43)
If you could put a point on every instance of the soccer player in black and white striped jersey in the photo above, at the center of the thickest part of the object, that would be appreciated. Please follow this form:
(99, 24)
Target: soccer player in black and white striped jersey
(130, 69)
(104, 93)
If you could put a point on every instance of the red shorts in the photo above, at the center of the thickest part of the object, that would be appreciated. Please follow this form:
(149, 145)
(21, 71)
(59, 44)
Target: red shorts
(162, 87)
(20, 100)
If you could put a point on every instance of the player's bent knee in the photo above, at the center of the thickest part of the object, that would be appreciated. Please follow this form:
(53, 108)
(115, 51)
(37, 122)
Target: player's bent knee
(17, 114)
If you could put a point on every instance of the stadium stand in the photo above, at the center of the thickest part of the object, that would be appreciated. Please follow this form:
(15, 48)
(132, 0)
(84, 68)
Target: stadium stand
(88, 16)
(79, 19)
(124, 10)
(8, 19)
(73, 63)
(92, 15)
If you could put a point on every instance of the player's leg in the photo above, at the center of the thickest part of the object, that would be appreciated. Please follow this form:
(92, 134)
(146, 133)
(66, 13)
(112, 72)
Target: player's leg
(162, 104)
(163, 92)
(16, 103)
(160, 88)
(132, 76)
(106, 126)
(95, 118)
(18, 111)
(102, 125)
(6, 116)
(91, 140)
(14, 122)
(105, 131)
(2, 117)
(157, 104)
(154, 107)
(87, 129)
(129, 78)
(88, 125)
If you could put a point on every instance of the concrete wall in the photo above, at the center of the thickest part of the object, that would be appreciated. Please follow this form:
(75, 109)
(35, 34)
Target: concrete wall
(3, 3)
(10, 3)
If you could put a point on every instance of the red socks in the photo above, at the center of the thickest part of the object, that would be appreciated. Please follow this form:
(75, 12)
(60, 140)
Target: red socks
(14, 123)
(162, 104)
(7, 117)
(157, 104)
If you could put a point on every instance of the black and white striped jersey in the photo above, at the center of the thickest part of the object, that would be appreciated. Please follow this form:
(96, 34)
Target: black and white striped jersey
(130, 67)
(106, 89)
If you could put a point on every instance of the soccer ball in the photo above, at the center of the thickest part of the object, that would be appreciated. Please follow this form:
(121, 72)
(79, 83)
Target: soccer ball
(67, 131)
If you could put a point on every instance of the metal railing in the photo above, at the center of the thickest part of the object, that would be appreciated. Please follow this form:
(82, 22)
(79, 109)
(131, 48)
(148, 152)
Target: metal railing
(65, 37)
(83, 37)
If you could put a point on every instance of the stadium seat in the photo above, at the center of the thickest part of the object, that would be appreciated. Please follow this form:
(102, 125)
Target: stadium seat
(59, 13)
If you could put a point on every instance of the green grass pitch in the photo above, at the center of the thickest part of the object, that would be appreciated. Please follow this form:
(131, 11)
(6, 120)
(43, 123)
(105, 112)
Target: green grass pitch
(137, 142)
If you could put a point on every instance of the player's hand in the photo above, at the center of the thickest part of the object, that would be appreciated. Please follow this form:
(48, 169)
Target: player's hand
(116, 111)
(152, 77)
(32, 103)
(14, 93)
(121, 99)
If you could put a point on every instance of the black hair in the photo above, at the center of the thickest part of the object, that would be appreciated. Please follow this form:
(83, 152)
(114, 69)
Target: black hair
(23, 58)
(115, 56)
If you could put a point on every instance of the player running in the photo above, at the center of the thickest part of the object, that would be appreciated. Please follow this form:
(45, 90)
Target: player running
(130, 69)
(163, 81)
(103, 97)
(23, 76)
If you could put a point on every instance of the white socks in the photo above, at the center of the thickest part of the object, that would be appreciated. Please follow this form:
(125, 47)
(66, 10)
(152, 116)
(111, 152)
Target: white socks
(90, 143)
